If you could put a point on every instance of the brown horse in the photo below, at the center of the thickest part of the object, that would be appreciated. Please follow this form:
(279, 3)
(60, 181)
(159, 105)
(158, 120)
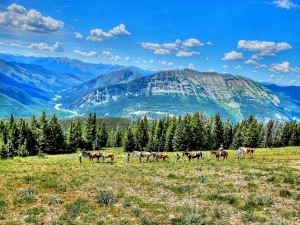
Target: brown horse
(193, 155)
(250, 151)
(161, 156)
(93, 156)
(108, 155)
(224, 154)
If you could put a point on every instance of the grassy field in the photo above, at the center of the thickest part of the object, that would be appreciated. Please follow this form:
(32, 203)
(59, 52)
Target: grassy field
(59, 190)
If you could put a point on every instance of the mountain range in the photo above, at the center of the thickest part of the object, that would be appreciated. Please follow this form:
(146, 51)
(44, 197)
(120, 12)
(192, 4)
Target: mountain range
(68, 87)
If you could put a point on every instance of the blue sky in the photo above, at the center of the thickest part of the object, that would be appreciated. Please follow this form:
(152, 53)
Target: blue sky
(253, 38)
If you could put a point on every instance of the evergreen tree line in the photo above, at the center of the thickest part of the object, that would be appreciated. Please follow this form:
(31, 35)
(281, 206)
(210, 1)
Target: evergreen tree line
(19, 137)
(36, 136)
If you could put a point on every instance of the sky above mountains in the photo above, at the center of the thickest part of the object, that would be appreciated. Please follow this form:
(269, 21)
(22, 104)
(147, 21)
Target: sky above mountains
(253, 38)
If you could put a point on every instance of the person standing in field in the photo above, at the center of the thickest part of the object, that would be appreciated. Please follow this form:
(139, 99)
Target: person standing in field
(80, 156)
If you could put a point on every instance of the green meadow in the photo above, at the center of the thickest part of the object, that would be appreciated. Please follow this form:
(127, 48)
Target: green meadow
(57, 189)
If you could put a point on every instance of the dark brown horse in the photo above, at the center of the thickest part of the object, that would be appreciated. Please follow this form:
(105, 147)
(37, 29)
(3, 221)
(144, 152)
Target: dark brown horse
(93, 156)
(250, 151)
(193, 155)
(224, 154)
(161, 156)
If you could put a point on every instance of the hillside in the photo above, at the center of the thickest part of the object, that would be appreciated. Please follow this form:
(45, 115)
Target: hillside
(184, 91)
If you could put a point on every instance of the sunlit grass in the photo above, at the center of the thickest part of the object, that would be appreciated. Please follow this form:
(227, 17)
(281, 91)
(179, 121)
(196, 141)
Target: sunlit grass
(165, 192)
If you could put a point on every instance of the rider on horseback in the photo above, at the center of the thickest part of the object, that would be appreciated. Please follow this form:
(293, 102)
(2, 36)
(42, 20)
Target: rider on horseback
(221, 149)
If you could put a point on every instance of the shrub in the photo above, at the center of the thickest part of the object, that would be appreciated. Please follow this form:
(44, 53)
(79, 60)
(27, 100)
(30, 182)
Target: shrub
(25, 196)
(285, 193)
(105, 198)
(202, 179)
(3, 205)
(55, 200)
(265, 201)
(79, 206)
(278, 222)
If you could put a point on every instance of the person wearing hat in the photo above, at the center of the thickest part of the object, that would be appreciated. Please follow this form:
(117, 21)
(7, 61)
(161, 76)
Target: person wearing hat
(221, 149)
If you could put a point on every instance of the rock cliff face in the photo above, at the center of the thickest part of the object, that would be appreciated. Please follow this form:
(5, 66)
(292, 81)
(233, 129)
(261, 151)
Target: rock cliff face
(183, 91)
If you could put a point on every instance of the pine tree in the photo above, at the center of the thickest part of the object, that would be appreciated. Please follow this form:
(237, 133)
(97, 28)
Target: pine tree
(74, 136)
(217, 131)
(89, 132)
(129, 143)
(56, 138)
(227, 134)
(33, 136)
(102, 136)
(12, 136)
(170, 135)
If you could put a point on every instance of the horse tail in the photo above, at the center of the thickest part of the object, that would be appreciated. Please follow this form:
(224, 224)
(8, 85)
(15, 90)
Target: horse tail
(112, 157)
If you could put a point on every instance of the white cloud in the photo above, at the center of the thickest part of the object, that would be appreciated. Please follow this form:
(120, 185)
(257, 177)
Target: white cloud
(166, 63)
(16, 16)
(281, 67)
(251, 62)
(180, 48)
(100, 35)
(285, 4)
(192, 42)
(210, 43)
(57, 47)
(78, 35)
(238, 67)
(88, 54)
(162, 51)
(119, 30)
(110, 56)
(233, 55)
(191, 66)
(151, 61)
(15, 45)
(127, 58)
(267, 48)
(186, 53)
(256, 57)
(225, 66)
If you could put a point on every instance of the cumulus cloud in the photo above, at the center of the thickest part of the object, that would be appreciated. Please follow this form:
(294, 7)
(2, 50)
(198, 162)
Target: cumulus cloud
(225, 66)
(192, 42)
(88, 54)
(119, 30)
(233, 55)
(180, 48)
(281, 67)
(127, 58)
(100, 35)
(285, 4)
(210, 43)
(262, 48)
(78, 35)
(166, 63)
(191, 66)
(238, 67)
(110, 56)
(16, 16)
(251, 62)
(57, 47)
(186, 53)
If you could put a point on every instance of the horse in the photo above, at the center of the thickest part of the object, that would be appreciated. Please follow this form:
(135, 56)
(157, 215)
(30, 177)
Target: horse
(217, 154)
(247, 150)
(93, 156)
(161, 156)
(142, 155)
(192, 155)
(250, 151)
(108, 155)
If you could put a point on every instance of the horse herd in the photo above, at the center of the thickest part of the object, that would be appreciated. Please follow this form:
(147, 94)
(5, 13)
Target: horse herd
(152, 156)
